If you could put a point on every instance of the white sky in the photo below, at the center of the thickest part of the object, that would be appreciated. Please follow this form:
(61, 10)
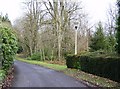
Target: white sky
(97, 9)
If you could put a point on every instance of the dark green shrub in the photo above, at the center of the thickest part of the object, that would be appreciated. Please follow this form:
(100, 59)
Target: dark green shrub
(20, 49)
(72, 62)
(104, 66)
(36, 56)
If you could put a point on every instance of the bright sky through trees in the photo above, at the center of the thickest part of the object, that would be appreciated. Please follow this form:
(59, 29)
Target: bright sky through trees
(96, 9)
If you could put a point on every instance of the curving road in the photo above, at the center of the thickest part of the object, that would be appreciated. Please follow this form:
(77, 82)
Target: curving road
(28, 75)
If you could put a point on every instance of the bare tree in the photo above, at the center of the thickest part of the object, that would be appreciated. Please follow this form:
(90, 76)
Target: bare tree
(111, 19)
(31, 24)
(47, 27)
(61, 13)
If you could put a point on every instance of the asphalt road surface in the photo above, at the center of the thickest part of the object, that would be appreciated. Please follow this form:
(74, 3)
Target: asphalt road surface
(28, 75)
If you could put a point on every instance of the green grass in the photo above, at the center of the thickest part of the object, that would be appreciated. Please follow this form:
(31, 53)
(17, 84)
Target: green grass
(51, 66)
(80, 75)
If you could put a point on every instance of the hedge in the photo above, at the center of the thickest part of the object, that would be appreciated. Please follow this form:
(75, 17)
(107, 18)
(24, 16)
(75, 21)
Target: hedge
(72, 62)
(8, 47)
(107, 67)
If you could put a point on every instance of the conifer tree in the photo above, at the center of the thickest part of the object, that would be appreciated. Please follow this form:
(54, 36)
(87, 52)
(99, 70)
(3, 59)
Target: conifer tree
(98, 41)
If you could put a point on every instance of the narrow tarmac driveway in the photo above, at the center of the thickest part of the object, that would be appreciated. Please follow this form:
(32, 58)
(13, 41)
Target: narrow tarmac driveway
(28, 75)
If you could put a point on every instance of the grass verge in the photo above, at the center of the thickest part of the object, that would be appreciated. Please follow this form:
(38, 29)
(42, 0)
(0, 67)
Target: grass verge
(89, 79)
(44, 64)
